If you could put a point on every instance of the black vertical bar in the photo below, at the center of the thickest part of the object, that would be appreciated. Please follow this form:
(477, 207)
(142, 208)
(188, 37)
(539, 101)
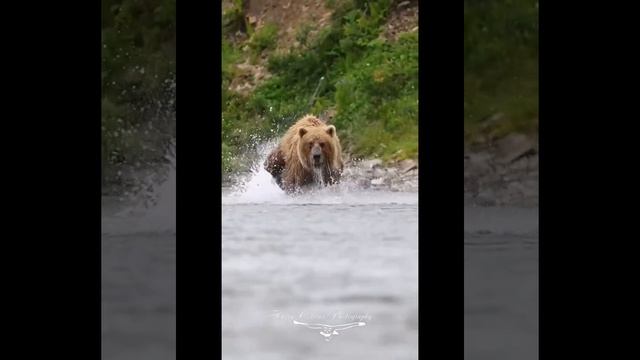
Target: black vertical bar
(441, 212)
(198, 161)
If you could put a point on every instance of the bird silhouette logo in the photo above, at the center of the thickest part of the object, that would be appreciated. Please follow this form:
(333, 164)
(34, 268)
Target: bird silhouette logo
(329, 330)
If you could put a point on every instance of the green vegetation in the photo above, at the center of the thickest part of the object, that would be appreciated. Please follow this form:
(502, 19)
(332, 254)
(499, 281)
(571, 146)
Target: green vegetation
(348, 67)
(500, 65)
(138, 63)
(371, 83)
(263, 39)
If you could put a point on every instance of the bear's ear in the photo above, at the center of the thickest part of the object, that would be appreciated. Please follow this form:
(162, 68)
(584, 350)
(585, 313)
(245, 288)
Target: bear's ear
(302, 131)
(331, 130)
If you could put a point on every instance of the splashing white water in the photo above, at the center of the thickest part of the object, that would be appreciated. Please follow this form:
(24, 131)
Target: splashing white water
(151, 210)
(162, 216)
(259, 187)
(318, 176)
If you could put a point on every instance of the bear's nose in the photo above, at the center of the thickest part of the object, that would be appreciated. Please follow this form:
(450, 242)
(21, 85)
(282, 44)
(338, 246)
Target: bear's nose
(316, 157)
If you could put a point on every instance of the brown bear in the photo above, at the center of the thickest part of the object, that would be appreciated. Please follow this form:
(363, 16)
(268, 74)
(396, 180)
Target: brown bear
(309, 153)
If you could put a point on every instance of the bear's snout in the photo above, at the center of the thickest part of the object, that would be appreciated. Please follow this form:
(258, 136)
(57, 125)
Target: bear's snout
(316, 155)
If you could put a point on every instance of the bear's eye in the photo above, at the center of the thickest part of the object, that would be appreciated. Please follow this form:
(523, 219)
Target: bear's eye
(310, 145)
(321, 144)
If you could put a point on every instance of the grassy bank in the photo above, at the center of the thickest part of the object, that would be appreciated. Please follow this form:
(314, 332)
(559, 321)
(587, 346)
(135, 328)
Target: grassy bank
(371, 83)
(500, 66)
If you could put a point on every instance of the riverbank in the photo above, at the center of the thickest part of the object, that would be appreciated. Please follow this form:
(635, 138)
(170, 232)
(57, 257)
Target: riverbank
(373, 174)
(502, 173)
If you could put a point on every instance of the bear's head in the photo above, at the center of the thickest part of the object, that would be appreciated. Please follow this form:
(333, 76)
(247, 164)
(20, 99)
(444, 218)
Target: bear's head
(317, 146)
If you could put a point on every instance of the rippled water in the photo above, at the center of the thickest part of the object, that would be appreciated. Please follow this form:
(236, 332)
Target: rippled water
(139, 277)
(332, 256)
(138, 296)
(501, 283)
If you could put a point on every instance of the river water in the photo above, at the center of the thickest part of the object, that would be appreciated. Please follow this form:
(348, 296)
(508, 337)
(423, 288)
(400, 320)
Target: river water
(501, 283)
(139, 276)
(333, 256)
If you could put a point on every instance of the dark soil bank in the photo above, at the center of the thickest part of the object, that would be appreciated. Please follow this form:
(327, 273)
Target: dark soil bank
(502, 173)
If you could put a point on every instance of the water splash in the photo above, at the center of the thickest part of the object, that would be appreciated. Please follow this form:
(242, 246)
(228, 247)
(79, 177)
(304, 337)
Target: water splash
(318, 176)
(162, 215)
(153, 208)
(259, 187)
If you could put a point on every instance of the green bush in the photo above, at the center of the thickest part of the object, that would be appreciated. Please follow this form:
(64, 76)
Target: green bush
(233, 19)
(263, 39)
(501, 64)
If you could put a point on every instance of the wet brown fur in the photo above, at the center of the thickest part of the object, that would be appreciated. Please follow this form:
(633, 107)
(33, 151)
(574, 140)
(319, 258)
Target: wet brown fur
(289, 162)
